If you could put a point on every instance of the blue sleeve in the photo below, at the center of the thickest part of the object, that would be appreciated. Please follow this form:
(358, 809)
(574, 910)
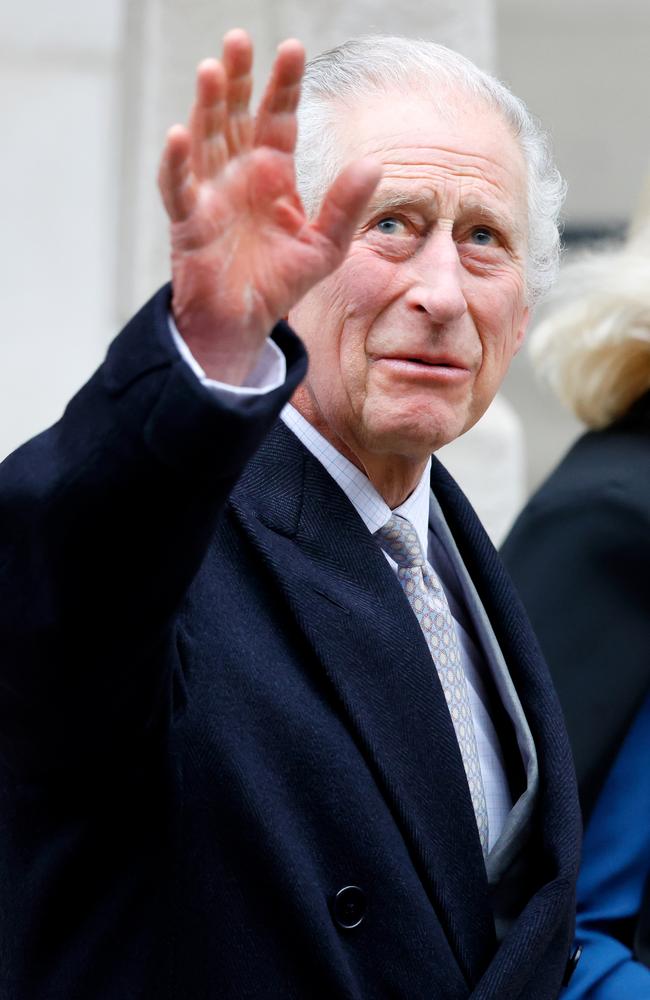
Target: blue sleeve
(616, 863)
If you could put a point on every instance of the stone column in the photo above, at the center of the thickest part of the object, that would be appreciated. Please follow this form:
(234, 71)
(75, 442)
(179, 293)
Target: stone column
(59, 171)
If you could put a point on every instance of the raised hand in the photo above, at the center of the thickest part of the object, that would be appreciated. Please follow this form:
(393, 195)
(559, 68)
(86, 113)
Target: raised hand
(242, 250)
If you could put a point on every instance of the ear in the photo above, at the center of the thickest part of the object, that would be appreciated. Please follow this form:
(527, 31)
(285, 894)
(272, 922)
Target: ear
(521, 332)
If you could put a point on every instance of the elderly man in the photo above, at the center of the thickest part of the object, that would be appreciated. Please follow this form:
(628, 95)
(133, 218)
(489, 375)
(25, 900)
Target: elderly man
(274, 723)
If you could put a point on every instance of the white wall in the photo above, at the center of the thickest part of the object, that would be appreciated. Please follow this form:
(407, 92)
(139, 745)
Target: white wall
(583, 66)
(59, 174)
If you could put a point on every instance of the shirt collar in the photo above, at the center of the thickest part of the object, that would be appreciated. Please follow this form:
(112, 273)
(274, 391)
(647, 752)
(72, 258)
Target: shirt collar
(369, 505)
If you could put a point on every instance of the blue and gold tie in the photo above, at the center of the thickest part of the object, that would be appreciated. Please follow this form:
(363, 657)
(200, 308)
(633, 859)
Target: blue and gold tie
(429, 602)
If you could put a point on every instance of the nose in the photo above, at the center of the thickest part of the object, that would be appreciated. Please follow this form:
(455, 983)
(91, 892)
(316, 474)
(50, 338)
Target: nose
(435, 285)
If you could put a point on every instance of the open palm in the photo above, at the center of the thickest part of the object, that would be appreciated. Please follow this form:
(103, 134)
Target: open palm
(242, 251)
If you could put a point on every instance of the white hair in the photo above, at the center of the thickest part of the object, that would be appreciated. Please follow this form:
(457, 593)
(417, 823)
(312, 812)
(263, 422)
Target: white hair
(592, 341)
(343, 76)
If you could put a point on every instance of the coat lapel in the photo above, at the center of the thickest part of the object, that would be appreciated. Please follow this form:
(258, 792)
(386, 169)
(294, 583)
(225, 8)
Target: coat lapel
(519, 752)
(522, 654)
(349, 605)
(557, 830)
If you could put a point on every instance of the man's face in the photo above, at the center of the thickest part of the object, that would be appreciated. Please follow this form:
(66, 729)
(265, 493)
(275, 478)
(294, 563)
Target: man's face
(411, 337)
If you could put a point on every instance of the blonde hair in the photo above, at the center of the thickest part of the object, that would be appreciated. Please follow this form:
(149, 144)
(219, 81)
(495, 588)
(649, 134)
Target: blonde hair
(592, 341)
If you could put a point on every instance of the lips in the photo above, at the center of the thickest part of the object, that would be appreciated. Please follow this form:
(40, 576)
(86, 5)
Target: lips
(441, 370)
(431, 364)
(426, 360)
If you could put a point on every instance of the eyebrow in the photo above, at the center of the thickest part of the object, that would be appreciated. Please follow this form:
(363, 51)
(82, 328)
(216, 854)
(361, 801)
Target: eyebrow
(389, 200)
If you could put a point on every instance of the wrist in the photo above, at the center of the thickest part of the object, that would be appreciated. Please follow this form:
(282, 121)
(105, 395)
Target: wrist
(226, 352)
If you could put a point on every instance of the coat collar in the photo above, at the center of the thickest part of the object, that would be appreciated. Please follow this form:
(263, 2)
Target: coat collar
(349, 605)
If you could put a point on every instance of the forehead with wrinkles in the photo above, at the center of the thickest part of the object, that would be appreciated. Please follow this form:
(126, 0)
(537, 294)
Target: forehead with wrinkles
(433, 149)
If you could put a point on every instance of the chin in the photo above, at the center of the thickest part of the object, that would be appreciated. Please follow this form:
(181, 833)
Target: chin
(416, 440)
(416, 436)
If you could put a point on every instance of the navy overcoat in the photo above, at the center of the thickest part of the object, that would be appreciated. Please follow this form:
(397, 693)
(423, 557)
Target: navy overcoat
(218, 714)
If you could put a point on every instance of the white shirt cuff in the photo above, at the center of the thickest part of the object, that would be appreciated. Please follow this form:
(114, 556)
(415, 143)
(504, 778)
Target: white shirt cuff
(269, 373)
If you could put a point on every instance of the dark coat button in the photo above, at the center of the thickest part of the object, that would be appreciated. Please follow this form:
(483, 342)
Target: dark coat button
(349, 907)
(571, 965)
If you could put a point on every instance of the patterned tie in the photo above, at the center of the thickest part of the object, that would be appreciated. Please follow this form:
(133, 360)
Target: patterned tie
(427, 598)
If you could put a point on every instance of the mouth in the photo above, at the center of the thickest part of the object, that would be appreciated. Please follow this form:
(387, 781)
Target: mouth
(424, 361)
(435, 366)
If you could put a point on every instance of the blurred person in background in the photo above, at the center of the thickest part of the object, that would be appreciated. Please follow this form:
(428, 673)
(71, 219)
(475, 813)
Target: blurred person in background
(579, 554)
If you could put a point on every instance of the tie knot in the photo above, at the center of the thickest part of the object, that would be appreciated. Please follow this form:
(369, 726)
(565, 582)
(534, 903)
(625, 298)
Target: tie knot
(399, 539)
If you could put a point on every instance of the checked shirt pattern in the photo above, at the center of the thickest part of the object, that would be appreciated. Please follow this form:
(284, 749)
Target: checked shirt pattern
(429, 602)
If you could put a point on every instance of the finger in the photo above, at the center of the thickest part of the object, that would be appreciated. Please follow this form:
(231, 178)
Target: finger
(208, 121)
(175, 178)
(238, 63)
(276, 119)
(344, 203)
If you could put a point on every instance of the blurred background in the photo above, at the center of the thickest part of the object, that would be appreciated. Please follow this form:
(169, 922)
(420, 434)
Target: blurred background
(89, 89)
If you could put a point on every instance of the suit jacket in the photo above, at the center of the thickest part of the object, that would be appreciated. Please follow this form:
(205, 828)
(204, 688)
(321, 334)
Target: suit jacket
(579, 555)
(219, 714)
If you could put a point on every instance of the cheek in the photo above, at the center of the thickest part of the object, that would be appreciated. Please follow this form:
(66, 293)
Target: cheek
(364, 284)
(498, 316)
(354, 295)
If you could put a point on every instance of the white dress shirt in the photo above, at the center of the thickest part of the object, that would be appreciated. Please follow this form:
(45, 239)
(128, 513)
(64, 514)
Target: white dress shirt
(268, 374)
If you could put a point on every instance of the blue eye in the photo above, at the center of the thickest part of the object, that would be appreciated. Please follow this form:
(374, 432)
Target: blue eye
(482, 236)
(389, 226)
